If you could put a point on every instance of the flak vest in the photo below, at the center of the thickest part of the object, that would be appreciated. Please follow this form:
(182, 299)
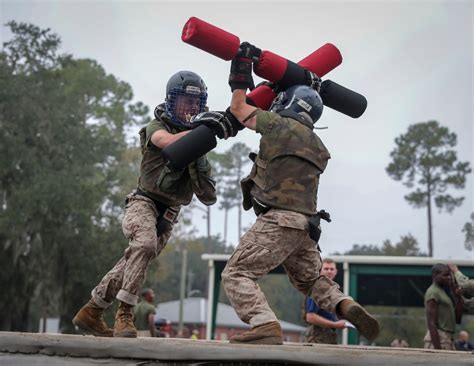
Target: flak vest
(156, 180)
(286, 170)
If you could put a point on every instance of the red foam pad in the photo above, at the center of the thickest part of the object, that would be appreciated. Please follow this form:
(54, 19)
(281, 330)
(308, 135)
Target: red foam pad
(323, 60)
(262, 97)
(209, 38)
(270, 66)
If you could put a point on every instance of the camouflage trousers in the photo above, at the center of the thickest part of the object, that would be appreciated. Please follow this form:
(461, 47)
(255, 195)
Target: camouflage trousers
(315, 334)
(126, 278)
(277, 237)
(445, 340)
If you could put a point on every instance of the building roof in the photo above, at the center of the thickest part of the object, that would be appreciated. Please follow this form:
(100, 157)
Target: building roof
(195, 312)
(370, 259)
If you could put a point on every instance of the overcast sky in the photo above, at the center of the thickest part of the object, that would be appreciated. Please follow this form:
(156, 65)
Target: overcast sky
(411, 59)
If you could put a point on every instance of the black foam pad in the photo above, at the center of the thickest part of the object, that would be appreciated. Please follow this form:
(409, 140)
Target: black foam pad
(188, 148)
(343, 100)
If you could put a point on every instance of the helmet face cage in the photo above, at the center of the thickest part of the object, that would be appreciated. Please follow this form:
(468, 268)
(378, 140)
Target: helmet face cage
(181, 105)
(186, 95)
(300, 99)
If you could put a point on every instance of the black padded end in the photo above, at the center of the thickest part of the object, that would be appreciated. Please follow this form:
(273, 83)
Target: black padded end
(188, 148)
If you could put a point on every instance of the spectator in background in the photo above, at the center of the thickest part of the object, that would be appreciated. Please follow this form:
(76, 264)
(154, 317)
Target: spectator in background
(195, 334)
(322, 324)
(463, 344)
(442, 310)
(144, 314)
(163, 328)
(399, 343)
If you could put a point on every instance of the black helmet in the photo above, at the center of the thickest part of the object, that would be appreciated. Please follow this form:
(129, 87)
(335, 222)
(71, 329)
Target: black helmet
(300, 102)
(192, 88)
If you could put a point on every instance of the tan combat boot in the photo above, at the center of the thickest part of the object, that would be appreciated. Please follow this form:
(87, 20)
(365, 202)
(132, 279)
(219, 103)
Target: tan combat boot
(269, 333)
(365, 323)
(124, 326)
(90, 320)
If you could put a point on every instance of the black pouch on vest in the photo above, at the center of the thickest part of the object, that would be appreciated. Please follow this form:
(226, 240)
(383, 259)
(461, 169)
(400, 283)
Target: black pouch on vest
(314, 229)
(259, 207)
(314, 224)
(167, 215)
(166, 220)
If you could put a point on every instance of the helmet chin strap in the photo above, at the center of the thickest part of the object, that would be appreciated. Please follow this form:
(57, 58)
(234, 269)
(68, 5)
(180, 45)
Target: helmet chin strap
(297, 116)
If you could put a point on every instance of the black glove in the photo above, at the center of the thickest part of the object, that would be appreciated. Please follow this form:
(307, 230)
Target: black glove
(222, 123)
(240, 76)
(268, 84)
(312, 80)
(315, 224)
(236, 125)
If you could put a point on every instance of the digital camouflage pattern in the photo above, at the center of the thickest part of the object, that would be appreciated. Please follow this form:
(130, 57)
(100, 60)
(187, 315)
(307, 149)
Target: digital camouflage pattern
(277, 237)
(126, 278)
(317, 334)
(172, 188)
(286, 170)
(445, 340)
(467, 286)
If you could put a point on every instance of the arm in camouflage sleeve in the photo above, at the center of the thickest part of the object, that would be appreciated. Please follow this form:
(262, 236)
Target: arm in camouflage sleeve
(463, 281)
(466, 284)
(204, 186)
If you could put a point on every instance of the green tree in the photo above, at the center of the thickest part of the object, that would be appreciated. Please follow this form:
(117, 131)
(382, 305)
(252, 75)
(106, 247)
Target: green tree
(164, 273)
(468, 230)
(407, 246)
(62, 141)
(236, 158)
(424, 159)
(226, 188)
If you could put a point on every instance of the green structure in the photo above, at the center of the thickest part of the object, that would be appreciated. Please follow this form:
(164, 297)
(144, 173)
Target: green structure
(371, 280)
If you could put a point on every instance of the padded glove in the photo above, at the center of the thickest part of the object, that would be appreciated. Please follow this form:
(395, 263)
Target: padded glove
(240, 76)
(224, 124)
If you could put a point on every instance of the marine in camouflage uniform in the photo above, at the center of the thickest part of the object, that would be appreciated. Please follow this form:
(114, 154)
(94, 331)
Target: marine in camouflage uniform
(152, 209)
(285, 179)
(282, 188)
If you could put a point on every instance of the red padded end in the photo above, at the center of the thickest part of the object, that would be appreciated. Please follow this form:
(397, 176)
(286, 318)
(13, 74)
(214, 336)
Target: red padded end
(270, 66)
(323, 60)
(209, 38)
(262, 97)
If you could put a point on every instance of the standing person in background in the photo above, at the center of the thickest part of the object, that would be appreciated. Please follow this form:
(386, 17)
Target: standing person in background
(195, 334)
(164, 328)
(144, 314)
(442, 311)
(462, 343)
(399, 343)
(323, 324)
